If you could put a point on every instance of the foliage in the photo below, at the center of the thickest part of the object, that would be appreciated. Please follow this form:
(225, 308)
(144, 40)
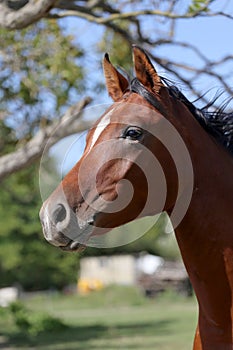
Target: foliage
(38, 80)
(119, 47)
(25, 257)
(33, 323)
(40, 75)
(198, 6)
(7, 138)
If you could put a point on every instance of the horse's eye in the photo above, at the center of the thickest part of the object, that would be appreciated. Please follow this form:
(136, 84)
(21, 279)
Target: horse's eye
(133, 133)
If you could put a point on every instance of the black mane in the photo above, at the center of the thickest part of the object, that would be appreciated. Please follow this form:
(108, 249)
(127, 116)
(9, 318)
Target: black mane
(218, 123)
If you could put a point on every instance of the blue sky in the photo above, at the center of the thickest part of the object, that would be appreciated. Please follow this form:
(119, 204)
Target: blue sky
(213, 37)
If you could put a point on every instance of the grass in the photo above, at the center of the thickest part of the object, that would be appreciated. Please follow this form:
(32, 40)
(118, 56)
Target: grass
(111, 319)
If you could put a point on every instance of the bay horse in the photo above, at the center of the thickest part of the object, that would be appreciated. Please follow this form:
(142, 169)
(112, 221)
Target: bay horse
(138, 122)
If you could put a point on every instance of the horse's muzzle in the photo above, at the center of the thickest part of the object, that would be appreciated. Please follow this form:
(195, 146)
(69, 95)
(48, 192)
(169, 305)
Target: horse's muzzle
(61, 226)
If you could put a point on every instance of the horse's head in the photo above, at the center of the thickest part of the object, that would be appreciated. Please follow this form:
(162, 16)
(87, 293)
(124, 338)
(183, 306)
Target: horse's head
(126, 171)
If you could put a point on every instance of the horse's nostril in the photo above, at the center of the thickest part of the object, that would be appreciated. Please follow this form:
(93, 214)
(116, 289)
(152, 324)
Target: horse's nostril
(59, 214)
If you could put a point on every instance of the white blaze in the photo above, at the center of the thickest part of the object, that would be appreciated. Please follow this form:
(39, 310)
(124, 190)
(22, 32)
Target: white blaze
(104, 122)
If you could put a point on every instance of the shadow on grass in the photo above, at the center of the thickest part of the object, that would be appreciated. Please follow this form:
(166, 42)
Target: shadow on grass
(85, 337)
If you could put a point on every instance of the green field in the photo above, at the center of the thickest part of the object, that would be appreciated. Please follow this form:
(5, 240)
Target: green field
(114, 318)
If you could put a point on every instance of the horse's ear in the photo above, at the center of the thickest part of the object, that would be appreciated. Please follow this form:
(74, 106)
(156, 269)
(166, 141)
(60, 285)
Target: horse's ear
(145, 71)
(116, 83)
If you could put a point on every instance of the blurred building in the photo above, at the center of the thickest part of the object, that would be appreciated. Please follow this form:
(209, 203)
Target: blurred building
(151, 273)
(118, 269)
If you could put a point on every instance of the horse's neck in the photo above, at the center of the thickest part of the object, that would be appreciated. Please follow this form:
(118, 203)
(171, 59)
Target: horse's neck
(205, 237)
(207, 227)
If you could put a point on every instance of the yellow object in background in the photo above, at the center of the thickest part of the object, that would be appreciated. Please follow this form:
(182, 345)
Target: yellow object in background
(86, 286)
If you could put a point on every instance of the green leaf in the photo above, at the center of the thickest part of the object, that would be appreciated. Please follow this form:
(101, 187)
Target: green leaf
(198, 6)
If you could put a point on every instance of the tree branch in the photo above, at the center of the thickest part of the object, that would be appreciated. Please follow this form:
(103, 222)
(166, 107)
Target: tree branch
(91, 17)
(26, 15)
(69, 124)
(22, 13)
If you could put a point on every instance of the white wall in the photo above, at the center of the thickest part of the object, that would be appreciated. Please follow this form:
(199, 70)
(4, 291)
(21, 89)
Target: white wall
(117, 269)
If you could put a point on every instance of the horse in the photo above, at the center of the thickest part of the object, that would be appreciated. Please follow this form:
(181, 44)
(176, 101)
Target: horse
(146, 113)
